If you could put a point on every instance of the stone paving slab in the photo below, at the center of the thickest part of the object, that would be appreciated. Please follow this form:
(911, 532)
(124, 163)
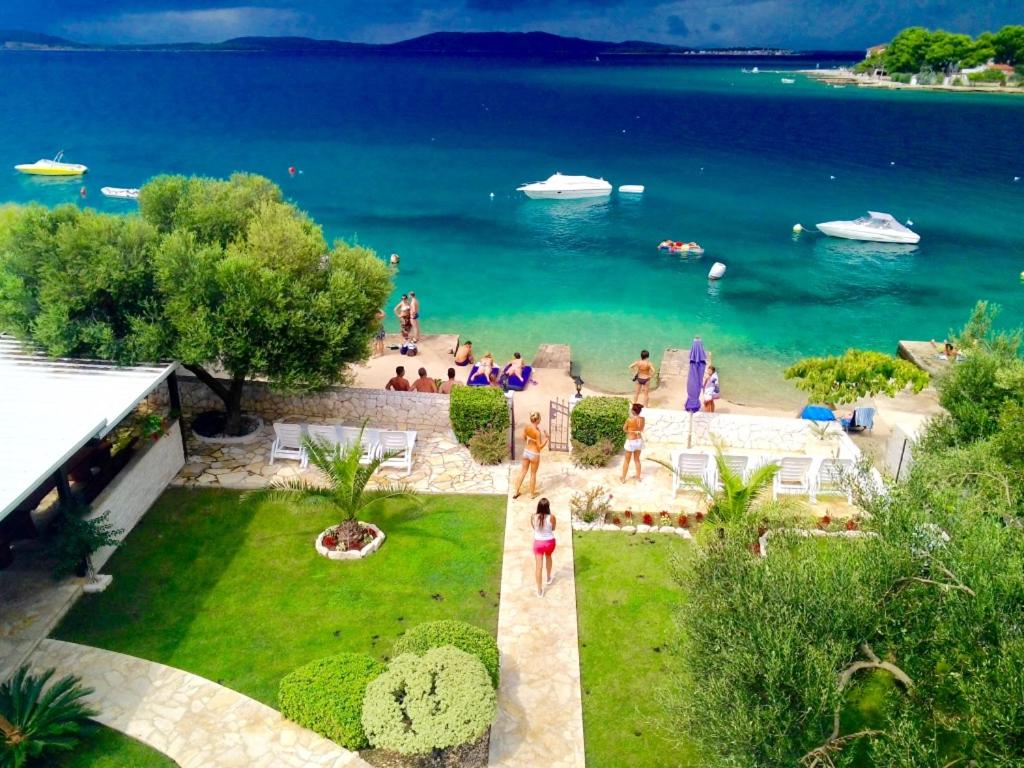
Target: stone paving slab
(195, 722)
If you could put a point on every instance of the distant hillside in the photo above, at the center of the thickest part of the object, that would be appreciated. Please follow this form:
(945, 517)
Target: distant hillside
(508, 44)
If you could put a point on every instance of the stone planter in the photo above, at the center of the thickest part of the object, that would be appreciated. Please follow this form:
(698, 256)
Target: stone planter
(254, 436)
(352, 554)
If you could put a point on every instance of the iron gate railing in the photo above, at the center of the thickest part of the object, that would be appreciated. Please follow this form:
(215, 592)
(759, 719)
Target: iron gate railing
(558, 425)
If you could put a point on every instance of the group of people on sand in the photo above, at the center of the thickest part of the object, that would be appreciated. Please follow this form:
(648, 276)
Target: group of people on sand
(485, 365)
(398, 382)
(407, 310)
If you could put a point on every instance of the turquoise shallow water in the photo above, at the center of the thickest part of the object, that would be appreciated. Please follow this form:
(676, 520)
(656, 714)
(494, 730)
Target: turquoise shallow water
(402, 155)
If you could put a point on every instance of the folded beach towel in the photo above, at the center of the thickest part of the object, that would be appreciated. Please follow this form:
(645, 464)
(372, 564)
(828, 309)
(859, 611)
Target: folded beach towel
(478, 378)
(519, 384)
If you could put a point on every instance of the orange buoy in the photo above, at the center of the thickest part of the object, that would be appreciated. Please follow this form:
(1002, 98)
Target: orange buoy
(291, 170)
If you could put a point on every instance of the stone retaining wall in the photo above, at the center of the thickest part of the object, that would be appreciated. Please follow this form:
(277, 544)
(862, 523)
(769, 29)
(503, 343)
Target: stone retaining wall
(425, 413)
(764, 433)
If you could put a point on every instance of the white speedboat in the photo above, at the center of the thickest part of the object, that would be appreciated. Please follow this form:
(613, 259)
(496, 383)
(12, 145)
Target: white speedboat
(877, 227)
(52, 167)
(124, 193)
(787, 80)
(561, 186)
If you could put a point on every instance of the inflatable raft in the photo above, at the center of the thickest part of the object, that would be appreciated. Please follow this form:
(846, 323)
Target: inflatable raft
(673, 246)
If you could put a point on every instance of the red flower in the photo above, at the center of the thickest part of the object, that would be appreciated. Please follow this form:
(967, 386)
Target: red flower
(699, 516)
(756, 547)
(664, 514)
(648, 519)
(684, 521)
(851, 524)
(329, 541)
(616, 521)
(825, 521)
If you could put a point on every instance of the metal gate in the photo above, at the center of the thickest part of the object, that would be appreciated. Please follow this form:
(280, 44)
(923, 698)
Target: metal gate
(558, 425)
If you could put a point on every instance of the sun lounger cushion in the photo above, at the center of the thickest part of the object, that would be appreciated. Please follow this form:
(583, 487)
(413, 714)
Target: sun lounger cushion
(478, 378)
(519, 384)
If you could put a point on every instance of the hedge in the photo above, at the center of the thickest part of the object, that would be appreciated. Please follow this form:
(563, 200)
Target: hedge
(458, 634)
(474, 409)
(327, 695)
(597, 418)
(440, 700)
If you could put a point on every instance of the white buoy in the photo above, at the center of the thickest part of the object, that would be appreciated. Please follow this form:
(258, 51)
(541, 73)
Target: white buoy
(492, 195)
(717, 270)
(910, 223)
(632, 189)
(832, 177)
(797, 229)
(892, 162)
(1016, 178)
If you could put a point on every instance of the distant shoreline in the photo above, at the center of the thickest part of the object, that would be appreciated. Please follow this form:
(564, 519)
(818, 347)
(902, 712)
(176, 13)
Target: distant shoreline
(842, 77)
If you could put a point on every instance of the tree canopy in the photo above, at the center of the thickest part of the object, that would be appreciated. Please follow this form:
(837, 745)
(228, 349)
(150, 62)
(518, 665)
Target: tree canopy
(218, 274)
(917, 48)
(855, 374)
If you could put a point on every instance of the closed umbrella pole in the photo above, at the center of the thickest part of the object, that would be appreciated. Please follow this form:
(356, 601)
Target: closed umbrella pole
(694, 382)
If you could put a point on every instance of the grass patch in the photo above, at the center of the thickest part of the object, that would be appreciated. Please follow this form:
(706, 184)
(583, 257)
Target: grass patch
(107, 748)
(627, 600)
(236, 593)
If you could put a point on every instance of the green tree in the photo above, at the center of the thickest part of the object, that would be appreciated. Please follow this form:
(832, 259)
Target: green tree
(946, 50)
(37, 717)
(1008, 43)
(345, 489)
(982, 50)
(906, 52)
(855, 374)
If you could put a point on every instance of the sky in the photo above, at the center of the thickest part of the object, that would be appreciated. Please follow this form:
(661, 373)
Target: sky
(830, 24)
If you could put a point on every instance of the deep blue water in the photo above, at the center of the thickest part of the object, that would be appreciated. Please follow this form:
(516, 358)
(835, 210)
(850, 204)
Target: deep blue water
(402, 155)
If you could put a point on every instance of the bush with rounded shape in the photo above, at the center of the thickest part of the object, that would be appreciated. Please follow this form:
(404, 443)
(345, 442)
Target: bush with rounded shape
(489, 446)
(600, 418)
(436, 701)
(458, 634)
(590, 456)
(473, 409)
(326, 696)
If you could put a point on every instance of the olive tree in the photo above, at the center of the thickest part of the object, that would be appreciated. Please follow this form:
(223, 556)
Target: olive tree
(855, 374)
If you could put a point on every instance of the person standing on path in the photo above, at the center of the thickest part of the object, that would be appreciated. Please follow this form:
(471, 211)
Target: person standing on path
(535, 439)
(634, 429)
(643, 372)
(711, 391)
(378, 338)
(414, 315)
(403, 311)
(543, 524)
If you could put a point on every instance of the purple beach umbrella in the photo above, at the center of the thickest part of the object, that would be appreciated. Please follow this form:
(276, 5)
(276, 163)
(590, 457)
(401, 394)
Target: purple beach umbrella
(695, 377)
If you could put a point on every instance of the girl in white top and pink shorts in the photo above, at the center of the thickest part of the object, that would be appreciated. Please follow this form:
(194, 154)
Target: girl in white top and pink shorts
(543, 524)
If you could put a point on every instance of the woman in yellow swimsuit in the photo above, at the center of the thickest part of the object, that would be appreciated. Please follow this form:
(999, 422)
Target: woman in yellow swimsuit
(535, 439)
(634, 429)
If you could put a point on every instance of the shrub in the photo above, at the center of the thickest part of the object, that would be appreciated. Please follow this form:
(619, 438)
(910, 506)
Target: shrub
(39, 717)
(987, 76)
(326, 696)
(591, 505)
(592, 455)
(489, 446)
(436, 701)
(597, 418)
(458, 634)
(474, 409)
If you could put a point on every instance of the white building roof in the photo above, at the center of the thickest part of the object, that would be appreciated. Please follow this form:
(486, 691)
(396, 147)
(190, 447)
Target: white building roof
(49, 408)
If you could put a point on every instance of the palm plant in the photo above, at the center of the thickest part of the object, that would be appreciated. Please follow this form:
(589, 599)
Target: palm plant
(345, 489)
(35, 718)
(733, 498)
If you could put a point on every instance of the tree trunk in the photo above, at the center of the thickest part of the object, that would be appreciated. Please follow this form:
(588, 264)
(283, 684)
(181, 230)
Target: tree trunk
(233, 407)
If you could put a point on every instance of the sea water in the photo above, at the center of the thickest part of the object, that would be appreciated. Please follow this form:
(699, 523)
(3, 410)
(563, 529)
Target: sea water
(421, 156)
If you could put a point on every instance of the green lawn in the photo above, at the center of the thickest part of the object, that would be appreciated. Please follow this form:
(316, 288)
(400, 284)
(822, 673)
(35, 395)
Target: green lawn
(107, 748)
(235, 592)
(626, 602)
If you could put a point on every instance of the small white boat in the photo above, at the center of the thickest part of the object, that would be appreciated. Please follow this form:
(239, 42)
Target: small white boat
(125, 193)
(717, 271)
(565, 187)
(876, 227)
(52, 167)
(755, 71)
(788, 80)
(632, 189)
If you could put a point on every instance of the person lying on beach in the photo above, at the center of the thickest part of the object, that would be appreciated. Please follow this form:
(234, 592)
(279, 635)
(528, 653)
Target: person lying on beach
(464, 354)
(515, 367)
(448, 386)
(398, 382)
(948, 352)
(424, 383)
(486, 363)
(643, 372)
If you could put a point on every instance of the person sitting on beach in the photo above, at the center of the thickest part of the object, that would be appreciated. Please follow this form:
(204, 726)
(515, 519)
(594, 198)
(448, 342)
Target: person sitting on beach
(464, 354)
(448, 386)
(643, 372)
(398, 382)
(414, 315)
(424, 383)
(515, 367)
(711, 390)
(949, 352)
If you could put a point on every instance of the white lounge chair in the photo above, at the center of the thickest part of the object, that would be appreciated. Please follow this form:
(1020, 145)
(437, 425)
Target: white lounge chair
(833, 479)
(350, 435)
(794, 476)
(690, 469)
(288, 443)
(401, 444)
(741, 465)
(324, 433)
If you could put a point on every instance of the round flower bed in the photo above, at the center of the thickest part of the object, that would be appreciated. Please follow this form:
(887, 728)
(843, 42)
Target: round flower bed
(333, 544)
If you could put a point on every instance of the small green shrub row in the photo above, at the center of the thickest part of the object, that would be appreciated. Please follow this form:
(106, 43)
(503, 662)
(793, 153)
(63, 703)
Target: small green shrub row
(326, 696)
(591, 456)
(600, 418)
(439, 700)
(489, 446)
(477, 409)
(459, 634)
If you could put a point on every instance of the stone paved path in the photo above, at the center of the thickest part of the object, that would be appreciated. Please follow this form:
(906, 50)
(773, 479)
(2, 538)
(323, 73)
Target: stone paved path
(540, 709)
(195, 722)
